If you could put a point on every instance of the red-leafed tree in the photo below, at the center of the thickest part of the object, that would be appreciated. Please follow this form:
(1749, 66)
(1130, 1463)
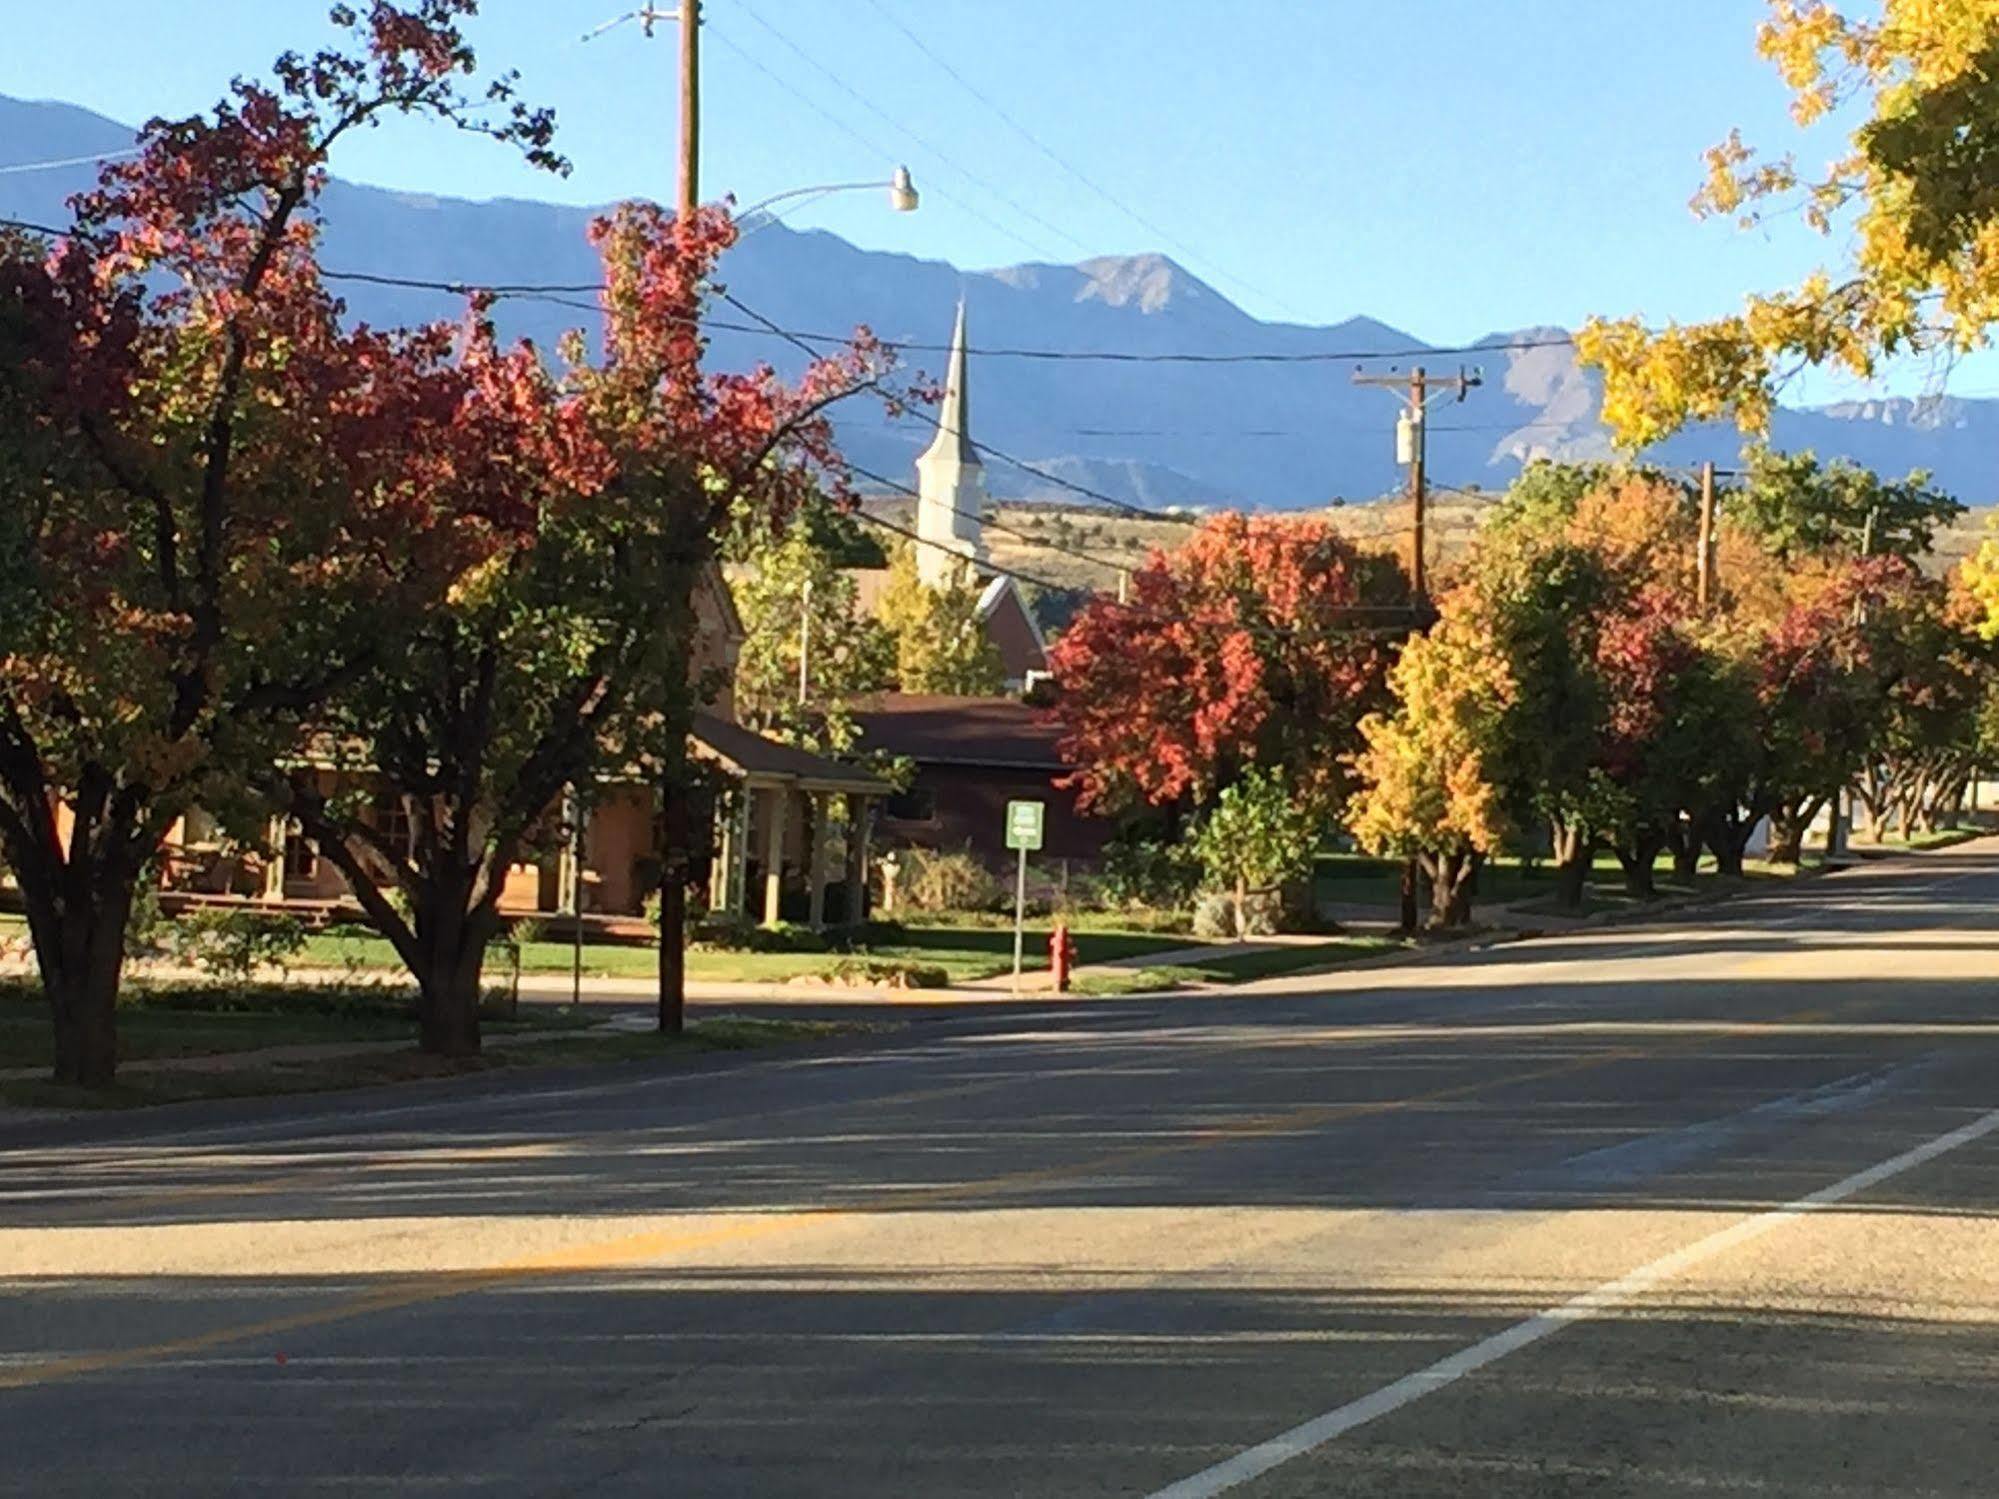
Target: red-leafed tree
(1261, 641)
(210, 489)
(573, 653)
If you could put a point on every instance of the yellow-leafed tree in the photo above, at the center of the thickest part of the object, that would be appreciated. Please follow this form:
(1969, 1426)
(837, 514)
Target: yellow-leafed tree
(1425, 773)
(1916, 185)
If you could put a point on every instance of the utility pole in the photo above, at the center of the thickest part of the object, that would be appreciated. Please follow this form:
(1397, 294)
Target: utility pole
(1411, 443)
(675, 833)
(1704, 563)
(690, 107)
(1410, 448)
(804, 641)
(689, 16)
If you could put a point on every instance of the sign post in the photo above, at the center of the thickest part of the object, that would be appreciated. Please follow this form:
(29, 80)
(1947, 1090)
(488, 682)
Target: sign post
(1023, 833)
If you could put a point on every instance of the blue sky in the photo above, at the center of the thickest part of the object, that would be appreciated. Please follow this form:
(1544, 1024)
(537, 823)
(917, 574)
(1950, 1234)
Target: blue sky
(1451, 167)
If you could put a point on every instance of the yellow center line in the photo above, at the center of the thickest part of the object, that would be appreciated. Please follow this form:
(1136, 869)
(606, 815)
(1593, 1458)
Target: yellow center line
(635, 1248)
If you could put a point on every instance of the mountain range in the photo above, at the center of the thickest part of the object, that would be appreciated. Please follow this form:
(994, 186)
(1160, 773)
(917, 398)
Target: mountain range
(1267, 431)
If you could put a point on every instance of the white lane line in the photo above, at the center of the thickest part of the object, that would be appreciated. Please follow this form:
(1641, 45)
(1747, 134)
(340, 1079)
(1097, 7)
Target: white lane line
(1322, 1429)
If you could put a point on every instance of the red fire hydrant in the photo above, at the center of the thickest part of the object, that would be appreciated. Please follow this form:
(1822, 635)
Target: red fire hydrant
(1061, 956)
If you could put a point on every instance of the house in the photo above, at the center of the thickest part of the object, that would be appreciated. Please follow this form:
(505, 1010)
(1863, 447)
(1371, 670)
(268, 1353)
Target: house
(951, 498)
(971, 756)
(789, 829)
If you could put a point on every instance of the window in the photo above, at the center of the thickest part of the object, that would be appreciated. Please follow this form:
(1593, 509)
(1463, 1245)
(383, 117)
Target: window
(917, 804)
(301, 855)
(391, 819)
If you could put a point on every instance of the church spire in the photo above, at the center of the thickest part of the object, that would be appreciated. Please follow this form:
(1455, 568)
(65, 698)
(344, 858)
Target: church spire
(951, 482)
(954, 412)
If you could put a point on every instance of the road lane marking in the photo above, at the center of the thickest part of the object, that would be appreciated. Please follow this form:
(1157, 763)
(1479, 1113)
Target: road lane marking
(1311, 1435)
(637, 1248)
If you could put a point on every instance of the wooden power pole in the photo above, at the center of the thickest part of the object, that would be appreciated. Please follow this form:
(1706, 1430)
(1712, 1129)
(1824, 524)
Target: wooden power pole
(1704, 563)
(690, 106)
(676, 838)
(688, 187)
(1411, 448)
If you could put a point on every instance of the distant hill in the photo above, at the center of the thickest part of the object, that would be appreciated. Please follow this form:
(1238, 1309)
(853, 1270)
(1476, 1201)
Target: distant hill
(1154, 433)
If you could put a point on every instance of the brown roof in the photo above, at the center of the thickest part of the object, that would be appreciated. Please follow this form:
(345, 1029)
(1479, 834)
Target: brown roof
(750, 753)
(959, 730)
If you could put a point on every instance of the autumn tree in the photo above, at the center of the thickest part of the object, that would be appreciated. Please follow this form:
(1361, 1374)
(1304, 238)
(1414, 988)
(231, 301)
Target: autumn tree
(1915, 189)
(1937, 673)
(940, 640)
(209, 487)
(575, 655)
(1262, 640)
(1425, 769)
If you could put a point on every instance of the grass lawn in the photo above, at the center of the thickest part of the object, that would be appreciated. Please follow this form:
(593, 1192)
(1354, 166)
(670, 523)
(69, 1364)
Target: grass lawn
(1362, 880)
(175, 1028)
(557, 1042)
(347, 948)
(969, 951)
(1237, 968)
(1941, 838)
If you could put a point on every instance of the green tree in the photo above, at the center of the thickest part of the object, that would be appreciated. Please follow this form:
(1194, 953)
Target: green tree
(1255, 837)
(795, 596)
(940, 642)
(1797, 507)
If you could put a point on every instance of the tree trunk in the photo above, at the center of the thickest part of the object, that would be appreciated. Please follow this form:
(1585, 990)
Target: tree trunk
(451, 935)
(1787, 832)
(1685, 844)
(1457, 910)
(1450, 899)
(1407, 925)
(675, 848)
(79, 901)
(81, 969)
(1572, 860)
(1637, 859)
(1728, 838)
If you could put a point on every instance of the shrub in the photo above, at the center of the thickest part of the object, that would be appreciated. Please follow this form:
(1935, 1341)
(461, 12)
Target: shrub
(736, 935)
(949, 880)
(259, 998)
(234, 944)
(1148, 874)
(894, 973)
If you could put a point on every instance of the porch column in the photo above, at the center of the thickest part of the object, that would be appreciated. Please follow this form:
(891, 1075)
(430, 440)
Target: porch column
(732, 860)
(277, 834)
(569, 868)
(860, 817)
(778, 804)
(723, 834)
(819, 830)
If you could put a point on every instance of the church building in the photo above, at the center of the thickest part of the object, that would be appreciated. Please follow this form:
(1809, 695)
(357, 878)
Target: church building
(951, 485)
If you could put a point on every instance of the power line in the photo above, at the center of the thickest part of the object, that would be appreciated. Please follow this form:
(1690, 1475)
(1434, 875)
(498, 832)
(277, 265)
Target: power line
(1063, 162)
(463, 287)
(871, 145)
(872, 108)
(69, 161)
(733, 300)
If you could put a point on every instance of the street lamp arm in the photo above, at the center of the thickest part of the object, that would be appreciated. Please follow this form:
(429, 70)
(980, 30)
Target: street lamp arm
(902, 196)
(807, 192)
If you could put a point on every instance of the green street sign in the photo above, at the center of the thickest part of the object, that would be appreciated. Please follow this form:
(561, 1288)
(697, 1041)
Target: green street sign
(1023, 825)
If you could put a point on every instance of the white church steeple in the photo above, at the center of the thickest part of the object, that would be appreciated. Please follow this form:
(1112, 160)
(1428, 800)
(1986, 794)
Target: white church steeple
(950, 480)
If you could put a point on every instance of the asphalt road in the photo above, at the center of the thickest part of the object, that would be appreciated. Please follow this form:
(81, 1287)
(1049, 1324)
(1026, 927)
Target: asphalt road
(1701, 1207)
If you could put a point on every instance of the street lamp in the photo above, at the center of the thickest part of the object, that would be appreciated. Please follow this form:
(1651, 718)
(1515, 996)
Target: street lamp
(902, 194)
